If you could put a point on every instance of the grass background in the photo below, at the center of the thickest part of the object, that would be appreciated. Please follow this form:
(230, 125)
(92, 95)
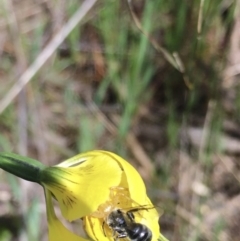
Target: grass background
(156, 83)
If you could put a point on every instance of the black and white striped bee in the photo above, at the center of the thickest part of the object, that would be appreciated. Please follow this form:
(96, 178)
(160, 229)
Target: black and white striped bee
(123, 225)
(122, 218)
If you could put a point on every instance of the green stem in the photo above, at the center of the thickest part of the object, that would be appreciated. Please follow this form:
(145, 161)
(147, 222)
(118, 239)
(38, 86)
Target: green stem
(23, 167)
(162, 238)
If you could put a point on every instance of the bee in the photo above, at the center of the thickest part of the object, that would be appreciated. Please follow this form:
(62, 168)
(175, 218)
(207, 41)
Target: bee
(120, 218)
(123, 225)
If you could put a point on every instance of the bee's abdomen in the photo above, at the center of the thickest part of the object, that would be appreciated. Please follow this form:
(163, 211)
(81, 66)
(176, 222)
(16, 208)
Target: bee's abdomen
(139, 232)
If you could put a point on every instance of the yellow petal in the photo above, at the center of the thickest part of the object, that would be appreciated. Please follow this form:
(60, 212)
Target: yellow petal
(56, 230)
(132, 180)
(130, 177)
(97, 229)
(81, 188)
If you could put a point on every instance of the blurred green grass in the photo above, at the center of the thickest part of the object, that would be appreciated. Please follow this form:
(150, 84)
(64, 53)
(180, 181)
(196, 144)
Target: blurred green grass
(108, 61)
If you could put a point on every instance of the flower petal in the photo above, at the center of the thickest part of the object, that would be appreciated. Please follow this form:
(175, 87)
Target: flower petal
(97, 229)
(131, 178)
(57, 231)
(81, 188)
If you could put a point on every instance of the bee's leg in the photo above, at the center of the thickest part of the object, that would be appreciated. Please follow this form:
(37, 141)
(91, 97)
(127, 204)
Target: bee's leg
(120, 236)
(114, 235)
(130, 215)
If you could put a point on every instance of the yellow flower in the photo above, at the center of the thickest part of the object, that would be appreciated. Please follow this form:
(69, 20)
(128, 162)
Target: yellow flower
(91, 186)
(98, 187)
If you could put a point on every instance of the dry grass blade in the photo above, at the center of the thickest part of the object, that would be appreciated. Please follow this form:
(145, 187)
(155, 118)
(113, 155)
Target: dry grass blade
(181, 69)
(21, 67)
(196, 222)
(173, 59)
(140, 155)
(166, 54)
(199, 175)
(233, 172)
(159, 48)
(46, 53)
